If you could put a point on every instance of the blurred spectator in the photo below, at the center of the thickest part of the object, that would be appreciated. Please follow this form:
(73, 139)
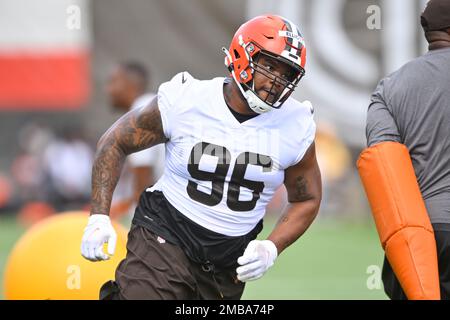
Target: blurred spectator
(334, 159)
(27, 168)
(5, 191)
(68, 163)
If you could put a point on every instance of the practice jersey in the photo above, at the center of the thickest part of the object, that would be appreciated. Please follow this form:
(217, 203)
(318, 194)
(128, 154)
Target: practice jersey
(220, 173)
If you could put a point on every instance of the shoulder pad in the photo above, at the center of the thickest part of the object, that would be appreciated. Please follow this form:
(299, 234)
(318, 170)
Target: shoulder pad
(182, 77)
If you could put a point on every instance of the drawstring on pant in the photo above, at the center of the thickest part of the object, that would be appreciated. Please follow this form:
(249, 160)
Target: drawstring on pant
(209, 267)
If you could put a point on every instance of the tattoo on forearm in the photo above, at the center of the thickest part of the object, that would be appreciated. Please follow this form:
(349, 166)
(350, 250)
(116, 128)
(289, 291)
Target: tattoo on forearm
(301, 190)
(135, 131)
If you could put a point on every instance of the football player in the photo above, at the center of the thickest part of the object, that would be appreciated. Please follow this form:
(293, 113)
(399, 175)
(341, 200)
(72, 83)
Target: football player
(230, 143)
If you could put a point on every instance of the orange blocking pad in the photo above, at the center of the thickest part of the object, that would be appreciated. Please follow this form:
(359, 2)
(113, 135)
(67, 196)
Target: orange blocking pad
(401, 218)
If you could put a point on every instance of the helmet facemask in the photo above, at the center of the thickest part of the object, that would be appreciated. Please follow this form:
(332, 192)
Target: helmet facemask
(282, 86)
(273, 100)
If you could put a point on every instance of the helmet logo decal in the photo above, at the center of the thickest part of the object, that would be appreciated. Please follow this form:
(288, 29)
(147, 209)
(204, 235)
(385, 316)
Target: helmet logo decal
(244, 75)
(288, 34)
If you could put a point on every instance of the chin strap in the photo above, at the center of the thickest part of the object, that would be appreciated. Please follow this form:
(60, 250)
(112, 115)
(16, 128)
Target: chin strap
(254, 102)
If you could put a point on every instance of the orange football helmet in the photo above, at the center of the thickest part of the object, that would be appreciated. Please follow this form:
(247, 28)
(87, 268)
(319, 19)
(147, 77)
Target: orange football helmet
(274, 37)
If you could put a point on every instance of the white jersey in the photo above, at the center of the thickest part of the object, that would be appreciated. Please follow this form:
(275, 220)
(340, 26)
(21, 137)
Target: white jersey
(220, 173)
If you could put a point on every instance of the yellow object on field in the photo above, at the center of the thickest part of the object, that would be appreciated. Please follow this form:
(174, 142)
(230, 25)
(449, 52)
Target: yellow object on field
(46, 262)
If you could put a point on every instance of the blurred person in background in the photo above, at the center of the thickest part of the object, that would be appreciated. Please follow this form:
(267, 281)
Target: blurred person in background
(231, 143)
(334, 160)
(408, 134)
(127, 90)
(28, 167)
(6, 193)
(68, 164)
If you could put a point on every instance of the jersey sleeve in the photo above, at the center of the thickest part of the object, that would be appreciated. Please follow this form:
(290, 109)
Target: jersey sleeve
(169, 97)
(308, 134)
(308, 139)
(380, 124)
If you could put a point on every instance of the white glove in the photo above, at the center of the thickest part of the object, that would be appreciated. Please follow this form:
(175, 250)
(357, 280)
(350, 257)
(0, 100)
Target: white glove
(258, 257)
(98, 231)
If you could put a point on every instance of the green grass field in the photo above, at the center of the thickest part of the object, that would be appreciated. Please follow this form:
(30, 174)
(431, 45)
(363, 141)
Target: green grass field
(10, 231)
(329, 262)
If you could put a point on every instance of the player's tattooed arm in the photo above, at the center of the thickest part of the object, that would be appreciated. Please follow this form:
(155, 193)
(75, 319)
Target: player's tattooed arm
(304, 189)
(136, 130)
(300, 191)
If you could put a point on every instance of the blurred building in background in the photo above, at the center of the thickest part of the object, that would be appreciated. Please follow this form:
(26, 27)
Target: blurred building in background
(56, 54)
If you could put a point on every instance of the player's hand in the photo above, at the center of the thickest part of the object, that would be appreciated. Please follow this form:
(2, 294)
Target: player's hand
(258, 257)
(98, 231)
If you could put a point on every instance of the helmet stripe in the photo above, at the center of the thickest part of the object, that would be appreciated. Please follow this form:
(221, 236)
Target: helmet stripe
(293, 45)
